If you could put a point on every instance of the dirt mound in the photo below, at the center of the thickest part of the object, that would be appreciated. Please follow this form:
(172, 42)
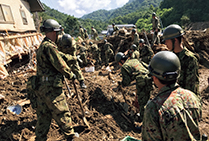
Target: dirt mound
(109, 111)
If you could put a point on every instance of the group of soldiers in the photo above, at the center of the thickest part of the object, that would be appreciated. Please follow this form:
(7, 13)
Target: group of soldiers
(173, 114)
(84, 34)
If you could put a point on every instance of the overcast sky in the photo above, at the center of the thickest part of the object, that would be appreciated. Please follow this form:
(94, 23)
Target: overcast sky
(78, 8)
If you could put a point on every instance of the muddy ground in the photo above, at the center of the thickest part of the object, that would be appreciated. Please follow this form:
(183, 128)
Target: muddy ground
(110, 113)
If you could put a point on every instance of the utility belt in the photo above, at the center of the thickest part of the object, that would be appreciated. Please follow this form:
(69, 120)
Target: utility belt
(55, 81)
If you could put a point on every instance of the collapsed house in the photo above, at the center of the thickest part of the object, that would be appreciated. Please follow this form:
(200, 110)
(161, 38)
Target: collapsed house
(18, 34)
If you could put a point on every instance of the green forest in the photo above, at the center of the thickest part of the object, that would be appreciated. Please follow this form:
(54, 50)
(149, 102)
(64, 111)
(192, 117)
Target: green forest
(138, 12)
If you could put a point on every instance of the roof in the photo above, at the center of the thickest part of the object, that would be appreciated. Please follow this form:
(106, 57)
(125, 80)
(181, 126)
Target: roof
(36, 6)
(121, 25)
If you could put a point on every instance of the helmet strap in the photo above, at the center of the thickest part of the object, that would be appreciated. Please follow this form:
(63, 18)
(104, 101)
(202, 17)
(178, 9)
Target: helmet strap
(173, 44)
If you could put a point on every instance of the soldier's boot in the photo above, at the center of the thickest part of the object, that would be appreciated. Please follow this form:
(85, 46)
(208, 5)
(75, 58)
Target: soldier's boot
(82, 84)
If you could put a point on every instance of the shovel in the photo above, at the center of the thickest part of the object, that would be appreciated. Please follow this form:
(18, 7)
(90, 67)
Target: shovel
(80, 103)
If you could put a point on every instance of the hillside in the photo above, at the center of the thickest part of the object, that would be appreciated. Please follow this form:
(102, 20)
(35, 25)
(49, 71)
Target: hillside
(130, 7)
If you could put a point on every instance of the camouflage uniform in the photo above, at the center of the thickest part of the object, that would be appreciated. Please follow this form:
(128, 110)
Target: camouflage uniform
(51, 101)
(94, 34)
(86, 36)
(74, 64)
(155, 26)
(172, 115)
(81, 32)
(132, 70)
(83, 55)
(146, 54)
(189, 76)
(95, 51)
(134, 55)
(136, 39)
(115, 30)
(108, 52)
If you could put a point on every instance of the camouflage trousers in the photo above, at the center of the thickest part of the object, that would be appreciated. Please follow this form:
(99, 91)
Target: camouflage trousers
(155, 38)
(52, 104)
(83, 58)
(108, 56)
(143, 87)
(77, 71)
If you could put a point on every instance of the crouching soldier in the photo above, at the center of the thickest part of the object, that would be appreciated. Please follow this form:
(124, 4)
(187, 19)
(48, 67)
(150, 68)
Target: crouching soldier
(95, 51)
(132, 70)
(68, 46)
(133, 52)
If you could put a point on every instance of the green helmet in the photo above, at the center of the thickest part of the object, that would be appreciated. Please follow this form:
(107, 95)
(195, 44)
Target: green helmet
(90, 43)
(134, 47)
(105, 41)
(165, 65)
(133, 30)
(66, 40)
(141, 41)
(50, 25)
(119, 56)
(153, 14)
(172, 31)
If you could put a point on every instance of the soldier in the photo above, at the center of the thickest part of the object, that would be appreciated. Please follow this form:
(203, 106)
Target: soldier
(175, 112)
(109, 54)
(86, 36)
(155, 29)
(115, 29)
(135, 38)
(94, 33)
(68, 46)
(83, 55)
(189, 76)
(51, 67)
(132, 70)
(95, 51)
(146, 53)
(81, 32)
(133, 52)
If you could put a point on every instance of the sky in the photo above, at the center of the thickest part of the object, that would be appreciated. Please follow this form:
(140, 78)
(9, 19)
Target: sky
(78, 8)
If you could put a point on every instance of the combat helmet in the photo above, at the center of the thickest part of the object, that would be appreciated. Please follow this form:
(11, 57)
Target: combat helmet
(90, 43)
(50, 25)
(153, 14)
(119, 56)
(83, 43)
(165, 65)
(133, 30)
(66, 40)
(172, 31)
(141, 41)
(134, 47)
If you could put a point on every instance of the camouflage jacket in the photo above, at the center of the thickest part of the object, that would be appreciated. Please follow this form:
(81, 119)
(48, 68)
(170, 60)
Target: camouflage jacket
(146, 53)
(155, 23)
(94, 32)
(135, 55)
(68, 50)
(131, 70)
(173, 114)
(52, 64)
(189, 76)
(93, 48)
(116, 28)
(136, 39)
(107, 46)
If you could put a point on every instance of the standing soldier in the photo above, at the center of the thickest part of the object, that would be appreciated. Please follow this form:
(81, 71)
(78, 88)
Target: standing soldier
(189, 76)
(115, 29)
(132, 70)
(86, 36)
(135, 36)
(146, 53)
(51, 100)
(155, 29)
(83, 54)
(109, 54)
(133, 52)
(68, 46)
(95, 51)
(81, 32)
(94, 33)
(174, 114)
